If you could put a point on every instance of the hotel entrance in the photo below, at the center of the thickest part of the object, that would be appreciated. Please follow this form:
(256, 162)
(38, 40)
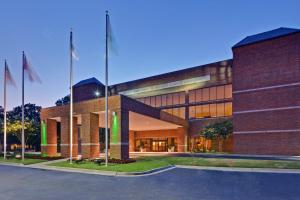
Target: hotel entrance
(156, 145)
(159, 145)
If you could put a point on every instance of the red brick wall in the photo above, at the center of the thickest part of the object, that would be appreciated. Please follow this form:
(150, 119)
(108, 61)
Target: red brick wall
(266, 64)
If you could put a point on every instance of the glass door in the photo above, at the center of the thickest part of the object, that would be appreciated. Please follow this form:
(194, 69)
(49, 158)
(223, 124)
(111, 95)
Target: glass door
(159, 145)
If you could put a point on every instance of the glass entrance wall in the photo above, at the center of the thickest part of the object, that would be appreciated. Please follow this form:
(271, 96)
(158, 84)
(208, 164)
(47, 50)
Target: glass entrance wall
(156, 145)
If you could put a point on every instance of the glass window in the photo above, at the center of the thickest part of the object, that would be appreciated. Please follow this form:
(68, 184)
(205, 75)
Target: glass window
(228, 91)
(220, 92)
(192, 113)
(199, 112)
(198, 95)
(175, 112)
(182, 97)
(158, 101)
(169, 99)
(192, 96)
(152, 101)
(147, 100)
(212, 93)
(205, 94)
(163, 100)
(175, 98)
(213, 110)
(182, 112)
(228, 109)
(220, 109)
(205, 110)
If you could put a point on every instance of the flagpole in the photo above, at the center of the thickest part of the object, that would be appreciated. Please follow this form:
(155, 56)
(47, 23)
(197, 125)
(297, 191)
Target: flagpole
(71, 97)
(23, 138)
(5, 68)
(106, 89)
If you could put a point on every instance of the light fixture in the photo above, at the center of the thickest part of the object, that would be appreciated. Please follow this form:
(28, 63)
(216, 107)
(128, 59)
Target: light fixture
(97, 93)
(114, 113)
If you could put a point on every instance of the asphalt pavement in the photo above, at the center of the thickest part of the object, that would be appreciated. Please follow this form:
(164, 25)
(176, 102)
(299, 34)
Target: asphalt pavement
(177, 184)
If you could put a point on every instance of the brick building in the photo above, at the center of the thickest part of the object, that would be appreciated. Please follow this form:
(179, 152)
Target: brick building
(167, 112)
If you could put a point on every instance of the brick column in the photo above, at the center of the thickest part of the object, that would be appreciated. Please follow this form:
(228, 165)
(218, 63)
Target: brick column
(182, 139)
(119, 134)
(51, 130)
(90, 135)
(65, 137)
(131, 141)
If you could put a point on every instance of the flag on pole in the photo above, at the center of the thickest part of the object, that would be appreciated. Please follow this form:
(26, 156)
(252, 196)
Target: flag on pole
(29, 71)
(73, 52)
(8, 80)
(112, 45)
(33, 77)
(8, 77)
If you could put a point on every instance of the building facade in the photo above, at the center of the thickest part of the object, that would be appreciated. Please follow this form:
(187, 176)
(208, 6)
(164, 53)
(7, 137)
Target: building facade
(166, 113)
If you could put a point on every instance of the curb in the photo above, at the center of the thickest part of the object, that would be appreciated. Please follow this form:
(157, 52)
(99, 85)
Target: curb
(239, 169)
(12, 164)
(91, 171)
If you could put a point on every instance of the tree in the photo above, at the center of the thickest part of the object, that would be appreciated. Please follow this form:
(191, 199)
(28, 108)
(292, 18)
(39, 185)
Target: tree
(209, 133)
(63, 101)
(31, 121)
(220, 130)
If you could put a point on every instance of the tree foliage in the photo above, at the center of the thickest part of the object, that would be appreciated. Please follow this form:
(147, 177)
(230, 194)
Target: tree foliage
(31, 122)
(220, 130)
(63, 101)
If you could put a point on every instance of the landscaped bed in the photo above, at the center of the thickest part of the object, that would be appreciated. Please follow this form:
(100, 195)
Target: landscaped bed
(148, 163)
(29, 159)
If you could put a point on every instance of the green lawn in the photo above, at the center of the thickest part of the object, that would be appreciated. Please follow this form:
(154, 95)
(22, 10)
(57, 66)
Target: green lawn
(143, 164)
(148, 163)
(27, 161)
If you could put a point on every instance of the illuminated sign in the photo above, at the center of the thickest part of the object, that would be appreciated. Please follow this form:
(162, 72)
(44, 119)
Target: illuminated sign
(167, 85)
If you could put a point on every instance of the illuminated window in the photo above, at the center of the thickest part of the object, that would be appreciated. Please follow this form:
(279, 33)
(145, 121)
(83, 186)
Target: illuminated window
(163, 100)
(228, 109)
(182, 112)
(192, 96)
(228, 91)
(212, 93)
(220, 92)
(205, 94)
(175, 98)
(152, 101)
(213, 110)
(199, 112)
(147, 100)
(205, 111)
(192, 113)
(220, 110)
(199, 95)
(182, 97)
(158, 101)
(175, 112)
(169, 99)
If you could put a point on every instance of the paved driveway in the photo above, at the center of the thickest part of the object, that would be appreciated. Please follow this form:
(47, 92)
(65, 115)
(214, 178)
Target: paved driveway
(181, 184)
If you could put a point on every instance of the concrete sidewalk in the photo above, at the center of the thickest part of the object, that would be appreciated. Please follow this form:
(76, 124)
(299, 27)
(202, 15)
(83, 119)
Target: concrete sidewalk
(217, 155)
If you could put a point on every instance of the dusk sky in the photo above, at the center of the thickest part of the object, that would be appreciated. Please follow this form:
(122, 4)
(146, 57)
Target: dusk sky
(153, 37)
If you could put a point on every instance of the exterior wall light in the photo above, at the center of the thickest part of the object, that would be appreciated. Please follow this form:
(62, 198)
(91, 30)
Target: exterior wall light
(114, 113)
(97, 93)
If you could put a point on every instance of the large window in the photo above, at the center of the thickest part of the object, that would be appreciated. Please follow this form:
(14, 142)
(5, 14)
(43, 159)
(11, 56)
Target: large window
(210, 99)
(210, 94)
(164, 100)
(179, 112)
(211, 110)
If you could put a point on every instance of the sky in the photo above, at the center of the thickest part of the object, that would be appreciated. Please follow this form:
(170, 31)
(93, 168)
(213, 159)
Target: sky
(152, 36)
